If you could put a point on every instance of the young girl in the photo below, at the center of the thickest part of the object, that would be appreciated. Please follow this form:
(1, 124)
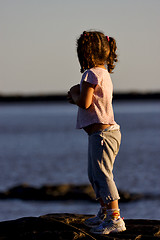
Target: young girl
(95, 115)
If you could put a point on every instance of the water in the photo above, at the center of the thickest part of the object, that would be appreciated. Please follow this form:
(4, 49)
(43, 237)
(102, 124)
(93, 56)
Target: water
(39, 145)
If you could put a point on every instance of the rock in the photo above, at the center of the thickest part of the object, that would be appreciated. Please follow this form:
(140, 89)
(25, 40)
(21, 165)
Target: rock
(60, 192)
(71, 227)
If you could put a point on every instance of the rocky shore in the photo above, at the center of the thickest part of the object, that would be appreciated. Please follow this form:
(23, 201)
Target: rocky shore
(68, 226)
(61, 192)
(71, 227)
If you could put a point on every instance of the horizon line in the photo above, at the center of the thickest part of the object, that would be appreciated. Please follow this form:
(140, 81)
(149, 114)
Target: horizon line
(62, 97)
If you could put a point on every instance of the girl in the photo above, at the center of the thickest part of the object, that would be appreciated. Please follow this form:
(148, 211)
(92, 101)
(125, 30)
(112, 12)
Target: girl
(95, 115)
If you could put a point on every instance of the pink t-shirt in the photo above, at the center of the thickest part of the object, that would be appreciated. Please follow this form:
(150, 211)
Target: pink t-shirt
(101, 110)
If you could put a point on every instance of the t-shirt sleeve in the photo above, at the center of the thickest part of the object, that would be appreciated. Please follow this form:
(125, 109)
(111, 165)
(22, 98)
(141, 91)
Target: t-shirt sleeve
(90, 77)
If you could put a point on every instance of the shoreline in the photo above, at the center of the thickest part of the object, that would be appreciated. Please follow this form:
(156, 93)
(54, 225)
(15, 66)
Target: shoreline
(64, 192)
(46, 98)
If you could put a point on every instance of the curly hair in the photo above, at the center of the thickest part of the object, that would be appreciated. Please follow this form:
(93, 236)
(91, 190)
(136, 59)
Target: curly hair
(94, 49)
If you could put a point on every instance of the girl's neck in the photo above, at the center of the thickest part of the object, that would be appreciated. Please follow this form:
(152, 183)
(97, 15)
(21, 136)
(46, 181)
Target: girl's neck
(101, 66)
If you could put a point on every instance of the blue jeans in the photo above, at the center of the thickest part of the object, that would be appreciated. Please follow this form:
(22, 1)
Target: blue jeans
(102, 149)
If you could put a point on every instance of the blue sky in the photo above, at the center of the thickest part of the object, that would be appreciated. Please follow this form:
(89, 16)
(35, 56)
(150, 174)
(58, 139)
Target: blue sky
(38, 43)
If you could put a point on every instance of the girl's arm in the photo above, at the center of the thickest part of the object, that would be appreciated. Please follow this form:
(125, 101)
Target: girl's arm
(82, 99)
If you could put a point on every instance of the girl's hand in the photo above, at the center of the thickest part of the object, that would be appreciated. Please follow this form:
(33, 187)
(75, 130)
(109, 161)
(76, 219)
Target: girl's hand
(74, 91)
(69, 98)
(82, 99)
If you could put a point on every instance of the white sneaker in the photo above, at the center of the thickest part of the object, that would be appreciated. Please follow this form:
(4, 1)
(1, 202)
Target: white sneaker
(110, 226)
(97, 220)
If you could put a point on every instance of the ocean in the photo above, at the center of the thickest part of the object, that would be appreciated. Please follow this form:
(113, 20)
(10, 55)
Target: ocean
(39, 145)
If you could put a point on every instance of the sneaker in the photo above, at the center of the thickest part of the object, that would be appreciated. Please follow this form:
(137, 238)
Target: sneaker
(110, 226)
(97, 220)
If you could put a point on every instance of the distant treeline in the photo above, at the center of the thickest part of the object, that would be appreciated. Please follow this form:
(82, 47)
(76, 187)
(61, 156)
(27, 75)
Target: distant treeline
(63, 97)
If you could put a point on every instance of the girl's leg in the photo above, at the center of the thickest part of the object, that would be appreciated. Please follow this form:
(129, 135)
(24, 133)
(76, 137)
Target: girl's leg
(111, 209)
(103, 155)
(111, 205)
(101, 158)
(111, 143)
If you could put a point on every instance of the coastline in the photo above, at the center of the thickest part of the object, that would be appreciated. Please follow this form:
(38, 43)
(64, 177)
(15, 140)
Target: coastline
(64, 192)
(46, 98)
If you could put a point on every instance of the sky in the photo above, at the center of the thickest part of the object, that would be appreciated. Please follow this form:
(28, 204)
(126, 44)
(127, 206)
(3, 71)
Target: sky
(38, 43)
